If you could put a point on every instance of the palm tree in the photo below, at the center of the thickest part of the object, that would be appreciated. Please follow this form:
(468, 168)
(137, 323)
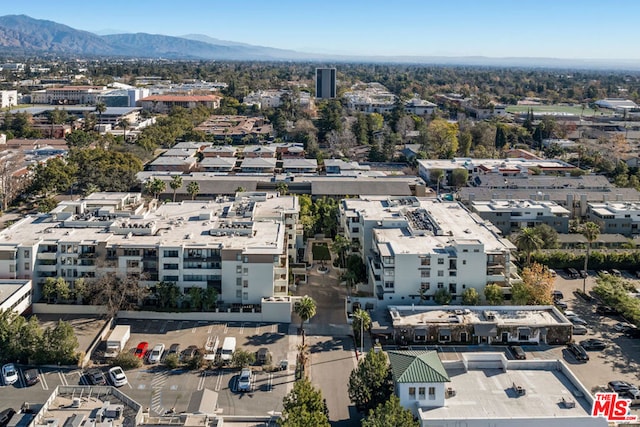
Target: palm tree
(282, 188)
(341, 245)
(590, 231)
(101, 107)
(155, 186)
(124, 124)
(193, 189)
(305, 309)
(528, 241)
(175, 183)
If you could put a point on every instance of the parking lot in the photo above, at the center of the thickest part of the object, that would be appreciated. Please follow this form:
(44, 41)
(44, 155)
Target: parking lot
(161, 389)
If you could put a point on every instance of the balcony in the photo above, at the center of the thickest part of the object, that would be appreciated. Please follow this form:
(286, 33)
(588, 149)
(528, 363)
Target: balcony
(47, 255)
(86, 255)
(47, 268)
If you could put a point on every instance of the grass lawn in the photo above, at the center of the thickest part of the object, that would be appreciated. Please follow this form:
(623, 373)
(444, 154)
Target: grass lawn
(320, 252)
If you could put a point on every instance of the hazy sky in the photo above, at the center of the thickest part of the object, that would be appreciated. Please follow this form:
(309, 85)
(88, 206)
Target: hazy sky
(603, 29)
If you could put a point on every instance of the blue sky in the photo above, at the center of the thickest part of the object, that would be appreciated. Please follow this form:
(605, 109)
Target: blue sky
(605, 29)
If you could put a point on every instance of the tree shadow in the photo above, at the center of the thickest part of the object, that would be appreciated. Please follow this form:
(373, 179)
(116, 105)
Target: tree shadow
(264, 339)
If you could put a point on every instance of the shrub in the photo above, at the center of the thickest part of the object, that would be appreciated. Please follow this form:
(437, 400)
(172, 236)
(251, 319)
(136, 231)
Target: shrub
(126, 361)
(172, 361)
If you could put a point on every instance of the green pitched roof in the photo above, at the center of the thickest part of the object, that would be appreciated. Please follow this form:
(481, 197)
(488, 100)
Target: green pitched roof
(410, 366)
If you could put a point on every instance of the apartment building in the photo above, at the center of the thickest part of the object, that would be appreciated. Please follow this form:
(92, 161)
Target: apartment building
(69, 95)
(413, 247)
(616, 217)
(238, 245)
(164, 103)
(512, 215)
(8, 98)
(272, 98)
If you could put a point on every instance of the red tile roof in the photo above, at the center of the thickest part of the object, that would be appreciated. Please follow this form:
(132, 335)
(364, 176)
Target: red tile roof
(183, 98)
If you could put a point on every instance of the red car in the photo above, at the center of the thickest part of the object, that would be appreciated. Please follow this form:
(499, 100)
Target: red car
(141, 349)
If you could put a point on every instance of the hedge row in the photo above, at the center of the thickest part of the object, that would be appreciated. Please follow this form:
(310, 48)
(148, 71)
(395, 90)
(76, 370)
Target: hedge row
(628, 260)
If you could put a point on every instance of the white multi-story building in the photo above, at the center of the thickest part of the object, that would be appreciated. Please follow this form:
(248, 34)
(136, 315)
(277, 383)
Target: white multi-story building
(616, 217)
(272, 98)
(8, 98)
(68, 95)
(370, 98)
(413, 247)
(239, 246)
(512, 215)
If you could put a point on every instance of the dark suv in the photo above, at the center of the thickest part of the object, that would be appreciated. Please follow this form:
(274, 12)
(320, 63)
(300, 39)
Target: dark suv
(5, 416)
(518, 352)
(578, 352)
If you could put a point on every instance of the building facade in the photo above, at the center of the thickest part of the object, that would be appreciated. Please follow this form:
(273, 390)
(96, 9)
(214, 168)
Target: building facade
(326, 83)
(510, 216)
(616, 217)
(239, 246)
(413, 247)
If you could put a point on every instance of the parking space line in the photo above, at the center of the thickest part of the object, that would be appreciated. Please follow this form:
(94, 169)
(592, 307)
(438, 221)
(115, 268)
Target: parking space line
(210, 329)
(147, 326)
(63, 379)
(242, 328)
(203, 377)
(258, 326)
(274, 328)
(163, 328)
(219, 380)
(226, 329)
(43, 381)
(270, 383)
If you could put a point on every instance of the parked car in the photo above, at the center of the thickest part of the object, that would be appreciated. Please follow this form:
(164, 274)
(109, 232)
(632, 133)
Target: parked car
(552, 272)
(189, 352)
(580, 330)
(156, 353)
(518, 352)
(31, 376)
(603, 272)
(578, 352)
(623, 326)
(263, 356)
(632, 333)
(561, 304)
(6, 415)
(572, 273)
(584, 274)
(9, 374)
(616, 272)
(605, 309)
(576, 320)
(96, 377)
(557, 295)
(593, 344)
(244, 381)
(141, 350)
(117, 376)
(174, 349)
(620, 386)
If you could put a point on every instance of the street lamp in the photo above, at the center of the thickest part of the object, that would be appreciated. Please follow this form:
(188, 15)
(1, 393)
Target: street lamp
(438, 185)
(358, 316)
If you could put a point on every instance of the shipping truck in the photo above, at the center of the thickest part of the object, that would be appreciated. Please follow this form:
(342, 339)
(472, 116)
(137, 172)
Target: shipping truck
(117, 340)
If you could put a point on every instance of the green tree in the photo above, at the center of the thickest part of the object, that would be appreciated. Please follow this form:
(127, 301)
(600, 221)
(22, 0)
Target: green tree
(210, 298)
(443, 138)
(242, 358)
(79, 139)
(172, 361)
(304, 407)
(282, 188)
(501, 137)
(175, 184)
(390, 413)
(442, 297)
(370, 383)
(305, 309)
(193, 188)
(126, 360)
(520, 294)
(330, 118)
(60, 344)
(528, 241)
(167, 294)
(124, 124)
(459, 178)
(196, 297)
(493, 294)
(155, 186)
(470, 297)
(56, 117)
(340, 246)
(466, 139)
(548, 235)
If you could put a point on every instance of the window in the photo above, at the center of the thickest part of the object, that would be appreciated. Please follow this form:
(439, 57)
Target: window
(168, 266)
(245, 283)
(170, 278)
(440, 273)
(245, 295)
(239, 294)
(412, 392)
(246, 259)
(432, 393)
(388, 285)
(26, 253)
(440, 261)
(239, 269)
(26, 266)
(464, 262)
(421, 393)
(131, 252)
(425, 261)
(238, 281)
(425, 286)
(425, 273)
(476, 250)
(440, 285)
(245, 271)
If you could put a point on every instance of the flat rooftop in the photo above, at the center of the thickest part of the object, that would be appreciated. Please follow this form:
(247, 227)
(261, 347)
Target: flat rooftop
(485, 390)
(10, 287)
(99, 404)
(501, 315)
(419, 217)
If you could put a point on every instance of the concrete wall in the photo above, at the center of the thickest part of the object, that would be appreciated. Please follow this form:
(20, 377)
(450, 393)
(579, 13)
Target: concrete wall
(102, 335)
(43, 308)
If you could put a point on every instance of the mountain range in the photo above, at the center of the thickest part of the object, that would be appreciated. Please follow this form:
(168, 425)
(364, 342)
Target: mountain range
(23, 35)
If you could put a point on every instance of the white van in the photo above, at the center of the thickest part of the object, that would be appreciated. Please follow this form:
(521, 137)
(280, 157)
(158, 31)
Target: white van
(228, 347)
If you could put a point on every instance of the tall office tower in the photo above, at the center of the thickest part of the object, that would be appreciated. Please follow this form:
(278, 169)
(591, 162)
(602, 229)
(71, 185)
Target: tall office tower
(325, 83)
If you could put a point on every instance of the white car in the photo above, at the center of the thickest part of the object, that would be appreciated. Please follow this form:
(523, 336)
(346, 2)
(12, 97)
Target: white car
(622, 326)
(156, 353)
(9, 374)
(244, 382)
(117, 376)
